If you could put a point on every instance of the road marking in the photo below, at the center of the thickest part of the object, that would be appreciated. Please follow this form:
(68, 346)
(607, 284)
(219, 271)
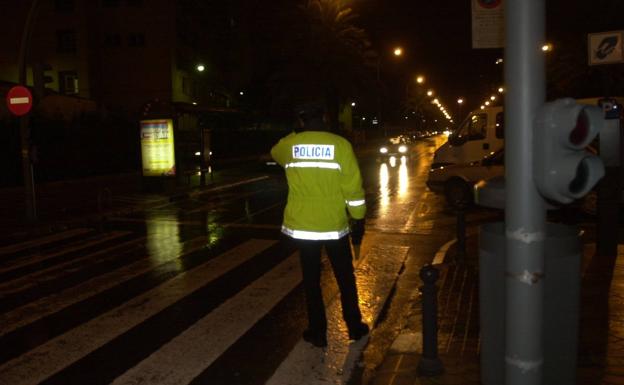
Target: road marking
(45, 306)
(42, 241)
(60, 352)
(30, 259)
(39, 276)
(307, 365)
(190, 353)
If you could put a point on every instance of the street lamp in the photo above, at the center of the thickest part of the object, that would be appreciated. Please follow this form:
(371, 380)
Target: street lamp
(460, 101)
(420, 79)
(430, 93)
(398, 51)
(200, 67)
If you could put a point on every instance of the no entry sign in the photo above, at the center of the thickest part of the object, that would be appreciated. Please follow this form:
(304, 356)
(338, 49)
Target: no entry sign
(19, 100)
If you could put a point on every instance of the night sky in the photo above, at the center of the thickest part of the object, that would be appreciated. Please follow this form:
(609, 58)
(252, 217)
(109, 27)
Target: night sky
(437, 39)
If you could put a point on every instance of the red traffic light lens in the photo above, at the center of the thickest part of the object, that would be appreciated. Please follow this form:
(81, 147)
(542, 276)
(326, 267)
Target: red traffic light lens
(579, 134)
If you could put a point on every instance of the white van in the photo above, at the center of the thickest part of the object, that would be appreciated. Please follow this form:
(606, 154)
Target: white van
(481, 134)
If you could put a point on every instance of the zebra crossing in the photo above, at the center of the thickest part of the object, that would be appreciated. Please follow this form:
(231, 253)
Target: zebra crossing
(88, 307)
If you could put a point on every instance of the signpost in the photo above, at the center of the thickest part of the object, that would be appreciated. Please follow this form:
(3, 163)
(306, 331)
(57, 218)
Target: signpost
(488, 24)
(19, 100)
(605, 48)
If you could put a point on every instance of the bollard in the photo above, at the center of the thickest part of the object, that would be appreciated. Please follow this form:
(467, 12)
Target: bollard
(430, 364)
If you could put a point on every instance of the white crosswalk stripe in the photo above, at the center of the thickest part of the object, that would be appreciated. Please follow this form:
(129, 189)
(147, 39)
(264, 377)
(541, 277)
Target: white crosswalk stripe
(179, 272)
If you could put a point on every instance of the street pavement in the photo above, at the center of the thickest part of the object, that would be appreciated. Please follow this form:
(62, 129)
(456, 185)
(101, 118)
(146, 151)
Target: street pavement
(601, 329)
(601, 342)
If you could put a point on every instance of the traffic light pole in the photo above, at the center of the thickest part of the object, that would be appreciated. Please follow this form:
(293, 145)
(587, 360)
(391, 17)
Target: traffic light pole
(27, 172)
(525, 212)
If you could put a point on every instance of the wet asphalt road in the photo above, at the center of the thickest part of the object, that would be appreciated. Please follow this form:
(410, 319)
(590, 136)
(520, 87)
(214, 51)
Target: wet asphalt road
(206, 290)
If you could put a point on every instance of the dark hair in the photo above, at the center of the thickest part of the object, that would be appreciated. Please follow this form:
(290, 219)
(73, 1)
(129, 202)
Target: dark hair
(310, 111)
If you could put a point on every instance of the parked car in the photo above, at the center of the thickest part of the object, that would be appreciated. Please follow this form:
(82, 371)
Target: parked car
(456, 181)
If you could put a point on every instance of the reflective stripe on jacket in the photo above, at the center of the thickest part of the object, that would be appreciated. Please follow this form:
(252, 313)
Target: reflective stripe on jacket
(324, 185)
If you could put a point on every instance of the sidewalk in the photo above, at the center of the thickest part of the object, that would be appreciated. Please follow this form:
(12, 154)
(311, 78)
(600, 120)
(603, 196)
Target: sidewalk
(601, 329)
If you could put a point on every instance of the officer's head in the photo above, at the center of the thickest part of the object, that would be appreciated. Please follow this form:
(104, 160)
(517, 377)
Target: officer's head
(312, 116)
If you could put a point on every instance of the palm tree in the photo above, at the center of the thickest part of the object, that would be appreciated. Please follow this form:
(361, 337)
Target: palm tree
(324, 55)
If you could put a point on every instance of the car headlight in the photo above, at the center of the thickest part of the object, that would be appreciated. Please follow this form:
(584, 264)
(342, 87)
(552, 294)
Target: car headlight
(383, 150)
(402, 149)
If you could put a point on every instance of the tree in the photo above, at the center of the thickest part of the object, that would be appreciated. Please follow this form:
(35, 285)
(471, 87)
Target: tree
(324, 54)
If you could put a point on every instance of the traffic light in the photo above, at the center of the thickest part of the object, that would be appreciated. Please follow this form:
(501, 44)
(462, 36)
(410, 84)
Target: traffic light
(563, 169)
(40, 79)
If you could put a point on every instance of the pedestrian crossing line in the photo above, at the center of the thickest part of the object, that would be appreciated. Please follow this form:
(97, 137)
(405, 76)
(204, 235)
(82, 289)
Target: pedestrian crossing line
(187, 355)
(306, 365)
(35, 311)
(53, 272)
(60, 352)
(10, 249)
(27, 260)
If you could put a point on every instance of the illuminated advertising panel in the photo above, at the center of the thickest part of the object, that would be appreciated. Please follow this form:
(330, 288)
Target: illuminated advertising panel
(157, 147)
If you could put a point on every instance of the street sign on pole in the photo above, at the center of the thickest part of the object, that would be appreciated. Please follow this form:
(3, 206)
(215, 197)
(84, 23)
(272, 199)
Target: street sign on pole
(19, 100)
(488, 24)
(605, 48)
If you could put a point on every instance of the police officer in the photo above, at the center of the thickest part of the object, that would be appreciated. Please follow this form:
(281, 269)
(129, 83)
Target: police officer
(324, 194)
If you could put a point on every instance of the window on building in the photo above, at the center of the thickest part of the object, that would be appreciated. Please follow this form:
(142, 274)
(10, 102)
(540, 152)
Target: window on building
(110, 3)
(112, 40)
(64, 5)
(66, 41)
(68, 82)
(136, 40)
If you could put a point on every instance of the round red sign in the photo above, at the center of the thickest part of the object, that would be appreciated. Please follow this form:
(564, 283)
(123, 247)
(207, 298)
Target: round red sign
(19, 100)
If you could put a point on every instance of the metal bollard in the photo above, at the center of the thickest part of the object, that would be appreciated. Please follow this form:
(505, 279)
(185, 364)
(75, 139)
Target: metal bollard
(430, 364)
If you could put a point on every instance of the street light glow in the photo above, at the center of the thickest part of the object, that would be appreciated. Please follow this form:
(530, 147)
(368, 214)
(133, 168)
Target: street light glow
(547, 47)
(201, 67)
(493, 97)
(430, 93)
(501, 90)
(398, 51)
(460, 101)
(420, 79)
(352, 104)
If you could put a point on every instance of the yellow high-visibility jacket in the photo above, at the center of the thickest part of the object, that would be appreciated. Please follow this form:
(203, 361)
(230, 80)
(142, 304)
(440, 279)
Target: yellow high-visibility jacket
(324, 182)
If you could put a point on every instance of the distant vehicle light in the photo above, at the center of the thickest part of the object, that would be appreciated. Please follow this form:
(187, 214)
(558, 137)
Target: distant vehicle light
(197, 153)
(383, 150)
(402, 149)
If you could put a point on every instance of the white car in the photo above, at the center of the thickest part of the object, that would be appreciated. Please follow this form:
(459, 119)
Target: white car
(456, 181)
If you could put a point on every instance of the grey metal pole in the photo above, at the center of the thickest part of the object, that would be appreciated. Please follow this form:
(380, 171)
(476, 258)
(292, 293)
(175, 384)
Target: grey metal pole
(27, 172)
(525, 213)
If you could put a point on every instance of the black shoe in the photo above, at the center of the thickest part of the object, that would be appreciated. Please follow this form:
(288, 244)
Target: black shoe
(317, 339)
(358, 332)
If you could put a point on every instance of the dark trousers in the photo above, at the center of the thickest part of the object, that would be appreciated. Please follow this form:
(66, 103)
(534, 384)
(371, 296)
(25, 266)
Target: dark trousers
(340, 257)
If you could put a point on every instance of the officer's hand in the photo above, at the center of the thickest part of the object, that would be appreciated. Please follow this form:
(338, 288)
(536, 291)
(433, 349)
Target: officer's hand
(357, 231)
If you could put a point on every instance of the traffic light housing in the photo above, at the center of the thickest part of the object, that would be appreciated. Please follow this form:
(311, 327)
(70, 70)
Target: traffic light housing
(563, 169)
